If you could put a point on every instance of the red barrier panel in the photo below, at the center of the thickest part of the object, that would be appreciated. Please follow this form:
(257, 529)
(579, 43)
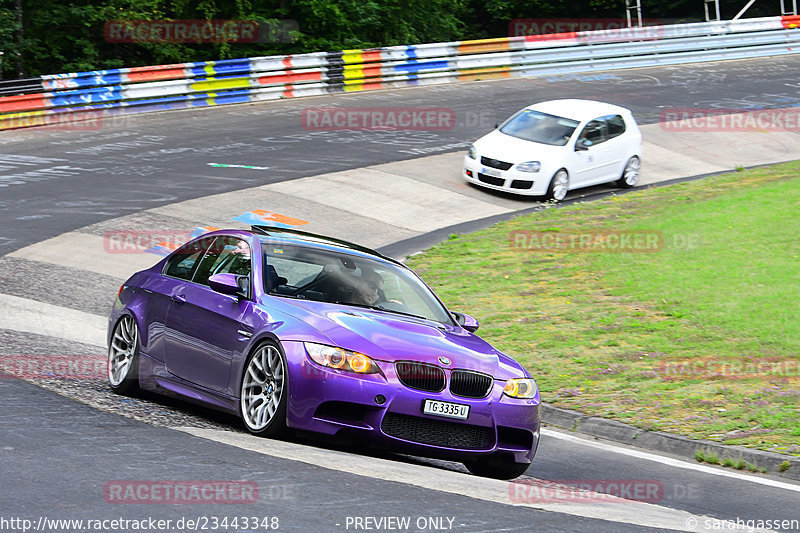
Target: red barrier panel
(568, 36)
(290, 77)
(163, 72)
(791, 21)
(23, 102)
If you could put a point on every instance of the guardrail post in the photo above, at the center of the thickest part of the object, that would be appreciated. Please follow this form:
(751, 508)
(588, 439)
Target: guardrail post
(634, 5)
(716, 10)
(785, 11)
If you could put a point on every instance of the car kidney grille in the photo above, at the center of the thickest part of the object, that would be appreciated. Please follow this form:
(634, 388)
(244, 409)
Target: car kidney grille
(495, 163)
(420, 376)
(437, 432)
(470, 384)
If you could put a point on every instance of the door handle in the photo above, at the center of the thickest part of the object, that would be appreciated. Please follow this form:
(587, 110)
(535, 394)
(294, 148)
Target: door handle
(179, 298)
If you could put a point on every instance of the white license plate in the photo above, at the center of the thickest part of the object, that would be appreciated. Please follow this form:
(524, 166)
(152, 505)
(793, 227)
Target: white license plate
(451, 410)
(491, 172)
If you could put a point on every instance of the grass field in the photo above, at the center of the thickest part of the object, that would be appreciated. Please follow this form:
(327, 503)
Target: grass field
(693, 329)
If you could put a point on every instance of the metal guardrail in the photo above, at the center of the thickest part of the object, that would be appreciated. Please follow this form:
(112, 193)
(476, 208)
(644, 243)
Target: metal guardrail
(60, 97)
(21, 86)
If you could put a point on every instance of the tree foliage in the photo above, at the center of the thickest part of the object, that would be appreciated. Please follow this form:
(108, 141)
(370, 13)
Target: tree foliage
(67, 36)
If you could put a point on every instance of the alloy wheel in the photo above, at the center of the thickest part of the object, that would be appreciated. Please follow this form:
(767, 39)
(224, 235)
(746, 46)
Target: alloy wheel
(262, 388)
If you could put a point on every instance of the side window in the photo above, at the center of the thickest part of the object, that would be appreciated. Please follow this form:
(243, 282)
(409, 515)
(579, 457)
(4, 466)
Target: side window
(616, 126)
(594, 133)
(184, 261)
(228, 255)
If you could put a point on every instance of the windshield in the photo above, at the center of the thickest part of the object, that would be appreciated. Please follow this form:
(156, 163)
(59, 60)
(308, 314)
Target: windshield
(313, 274)
(540, 127)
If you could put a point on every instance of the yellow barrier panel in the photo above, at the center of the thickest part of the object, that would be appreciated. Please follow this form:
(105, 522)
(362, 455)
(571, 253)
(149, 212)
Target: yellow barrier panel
(489, 73)
(22, 120)
(352, 56)
(484, 45)
(354, 72)
(221, 84)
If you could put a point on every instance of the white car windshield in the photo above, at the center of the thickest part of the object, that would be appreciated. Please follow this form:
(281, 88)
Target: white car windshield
(310, 273)
(540, 127)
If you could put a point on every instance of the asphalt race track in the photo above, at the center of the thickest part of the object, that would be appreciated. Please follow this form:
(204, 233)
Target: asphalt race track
(145, 161)
(158, 170)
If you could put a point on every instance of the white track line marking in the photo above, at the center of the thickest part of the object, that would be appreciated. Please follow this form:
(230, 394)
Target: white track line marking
(492, 490)
(607, 447)
(39, 318)
(98, 254)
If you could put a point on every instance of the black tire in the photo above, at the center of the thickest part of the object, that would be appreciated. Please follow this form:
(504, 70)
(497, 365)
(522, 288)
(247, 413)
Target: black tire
(123, 357)
(265, 372)
(630, 174)
(557, 190)
(497, 467)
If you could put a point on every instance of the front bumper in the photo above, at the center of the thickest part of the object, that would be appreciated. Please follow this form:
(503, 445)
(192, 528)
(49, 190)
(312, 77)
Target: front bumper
(512, 181)
(380, 410)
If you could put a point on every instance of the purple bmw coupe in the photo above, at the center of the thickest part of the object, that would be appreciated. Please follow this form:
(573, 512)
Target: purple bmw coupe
(291, 330)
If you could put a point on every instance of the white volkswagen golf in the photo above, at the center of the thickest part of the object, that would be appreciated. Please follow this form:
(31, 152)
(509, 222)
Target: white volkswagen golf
(553, 147)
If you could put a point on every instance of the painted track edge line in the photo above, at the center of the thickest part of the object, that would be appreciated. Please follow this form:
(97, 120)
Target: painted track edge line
(669, 461)
(458, 483)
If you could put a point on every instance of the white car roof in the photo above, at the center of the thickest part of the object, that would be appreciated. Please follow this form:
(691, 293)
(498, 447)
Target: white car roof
(577, 109)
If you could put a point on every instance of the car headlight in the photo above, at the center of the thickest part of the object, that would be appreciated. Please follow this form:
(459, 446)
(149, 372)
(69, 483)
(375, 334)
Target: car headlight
(472, 154)
(341, 359)
(529, 166)
(521, 388)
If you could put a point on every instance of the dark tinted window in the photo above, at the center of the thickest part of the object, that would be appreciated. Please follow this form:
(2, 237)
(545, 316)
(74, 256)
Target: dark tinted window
(183, 262)
(540, 127)
(335, 277)
(594, 133)
(228, 255)
(616, 126)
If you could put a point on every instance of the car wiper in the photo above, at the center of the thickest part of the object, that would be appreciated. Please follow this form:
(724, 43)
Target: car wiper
(281, 295)
(378, 308)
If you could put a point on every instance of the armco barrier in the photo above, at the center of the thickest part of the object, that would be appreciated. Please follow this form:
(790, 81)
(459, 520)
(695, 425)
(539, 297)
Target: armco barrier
(59, 97)
(21, 86)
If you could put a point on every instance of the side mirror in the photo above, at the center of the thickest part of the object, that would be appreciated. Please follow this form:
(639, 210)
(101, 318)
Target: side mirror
(582, 145)
(468, 322)
(225, 284)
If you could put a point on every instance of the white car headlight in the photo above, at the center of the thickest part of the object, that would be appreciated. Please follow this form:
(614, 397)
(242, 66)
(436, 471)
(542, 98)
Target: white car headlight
(472, 154)
(529, 166)
(521, 388)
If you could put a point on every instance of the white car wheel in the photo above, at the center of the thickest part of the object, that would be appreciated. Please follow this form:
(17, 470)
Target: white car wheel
(630, 176)
(559, 186)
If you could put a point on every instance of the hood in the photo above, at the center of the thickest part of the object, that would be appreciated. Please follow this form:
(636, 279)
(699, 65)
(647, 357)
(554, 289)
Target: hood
(390, 337)
(514, 150)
